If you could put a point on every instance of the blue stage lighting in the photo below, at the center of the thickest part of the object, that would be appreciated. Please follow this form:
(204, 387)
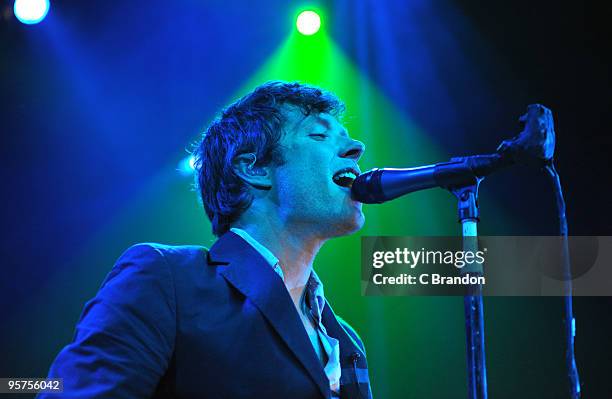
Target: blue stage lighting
(31, 12)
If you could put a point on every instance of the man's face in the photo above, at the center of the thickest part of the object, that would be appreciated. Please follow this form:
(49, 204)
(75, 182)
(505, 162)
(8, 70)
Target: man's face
(312, 186)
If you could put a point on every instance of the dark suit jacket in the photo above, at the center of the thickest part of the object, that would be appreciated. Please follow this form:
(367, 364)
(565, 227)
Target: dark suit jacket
(184, 322)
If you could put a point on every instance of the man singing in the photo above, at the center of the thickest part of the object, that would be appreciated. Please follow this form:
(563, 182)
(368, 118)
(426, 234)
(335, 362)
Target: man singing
(247, 318)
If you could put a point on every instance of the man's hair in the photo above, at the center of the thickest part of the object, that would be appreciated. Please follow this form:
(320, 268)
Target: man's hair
(252, 124)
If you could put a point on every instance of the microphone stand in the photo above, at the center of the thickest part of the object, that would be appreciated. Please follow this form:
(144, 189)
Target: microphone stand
(462, 176)
(467, 197)
(569, 320)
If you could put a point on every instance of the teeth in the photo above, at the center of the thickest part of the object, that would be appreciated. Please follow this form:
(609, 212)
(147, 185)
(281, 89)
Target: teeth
(345, 179)
(350, 175)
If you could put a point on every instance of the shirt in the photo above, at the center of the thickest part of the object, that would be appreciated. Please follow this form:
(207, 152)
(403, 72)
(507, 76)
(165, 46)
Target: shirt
(312, 304)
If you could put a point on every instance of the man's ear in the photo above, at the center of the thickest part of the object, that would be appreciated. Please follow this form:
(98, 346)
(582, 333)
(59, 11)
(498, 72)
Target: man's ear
(245, 167)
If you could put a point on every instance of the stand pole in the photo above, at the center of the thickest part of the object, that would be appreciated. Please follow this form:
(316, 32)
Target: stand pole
(472, 301)
(569, 321)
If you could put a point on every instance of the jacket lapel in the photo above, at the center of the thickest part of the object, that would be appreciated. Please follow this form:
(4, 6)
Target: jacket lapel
(354, 379)
(249, 272)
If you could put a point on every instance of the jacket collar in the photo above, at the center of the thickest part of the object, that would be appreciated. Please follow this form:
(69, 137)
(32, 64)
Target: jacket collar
(251, 274)
(263, 251)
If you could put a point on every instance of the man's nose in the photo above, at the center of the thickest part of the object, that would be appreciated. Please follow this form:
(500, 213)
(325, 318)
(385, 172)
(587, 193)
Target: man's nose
(353, 151)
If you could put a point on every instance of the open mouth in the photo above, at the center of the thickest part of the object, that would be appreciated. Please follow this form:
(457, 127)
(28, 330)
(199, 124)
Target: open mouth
(345, 177)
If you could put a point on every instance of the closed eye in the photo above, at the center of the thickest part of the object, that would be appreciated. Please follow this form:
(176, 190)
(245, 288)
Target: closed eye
(318, 136)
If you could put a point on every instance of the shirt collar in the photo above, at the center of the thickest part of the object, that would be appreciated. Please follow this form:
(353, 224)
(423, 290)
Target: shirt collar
(263, 251)
(314, 285)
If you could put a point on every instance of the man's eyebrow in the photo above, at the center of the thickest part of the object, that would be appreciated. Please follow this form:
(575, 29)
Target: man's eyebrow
(327, 125)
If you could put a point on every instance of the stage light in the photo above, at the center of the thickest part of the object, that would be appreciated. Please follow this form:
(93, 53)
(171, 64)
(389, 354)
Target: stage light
(186, 166)
(308, 23)
(31, 12)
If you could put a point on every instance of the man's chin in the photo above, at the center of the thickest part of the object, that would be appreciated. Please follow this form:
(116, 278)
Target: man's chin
(350, 225)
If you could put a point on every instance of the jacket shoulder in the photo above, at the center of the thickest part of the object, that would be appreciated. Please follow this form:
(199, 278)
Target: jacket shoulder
(170, 253)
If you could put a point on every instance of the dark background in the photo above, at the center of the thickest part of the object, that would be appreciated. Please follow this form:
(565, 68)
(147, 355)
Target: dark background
(101, 97)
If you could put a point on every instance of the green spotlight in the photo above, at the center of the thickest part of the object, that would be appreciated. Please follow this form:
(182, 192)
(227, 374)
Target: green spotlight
(308, 23)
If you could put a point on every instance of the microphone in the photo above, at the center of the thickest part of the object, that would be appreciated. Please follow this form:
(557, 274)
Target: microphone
(535, 145)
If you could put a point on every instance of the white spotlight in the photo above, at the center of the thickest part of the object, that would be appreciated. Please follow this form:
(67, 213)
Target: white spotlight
(31, 12)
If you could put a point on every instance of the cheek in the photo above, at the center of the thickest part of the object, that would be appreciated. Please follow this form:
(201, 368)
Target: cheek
(304, 190)
(311, 172)
(306, 174)
(298, 184)
(310, 184)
